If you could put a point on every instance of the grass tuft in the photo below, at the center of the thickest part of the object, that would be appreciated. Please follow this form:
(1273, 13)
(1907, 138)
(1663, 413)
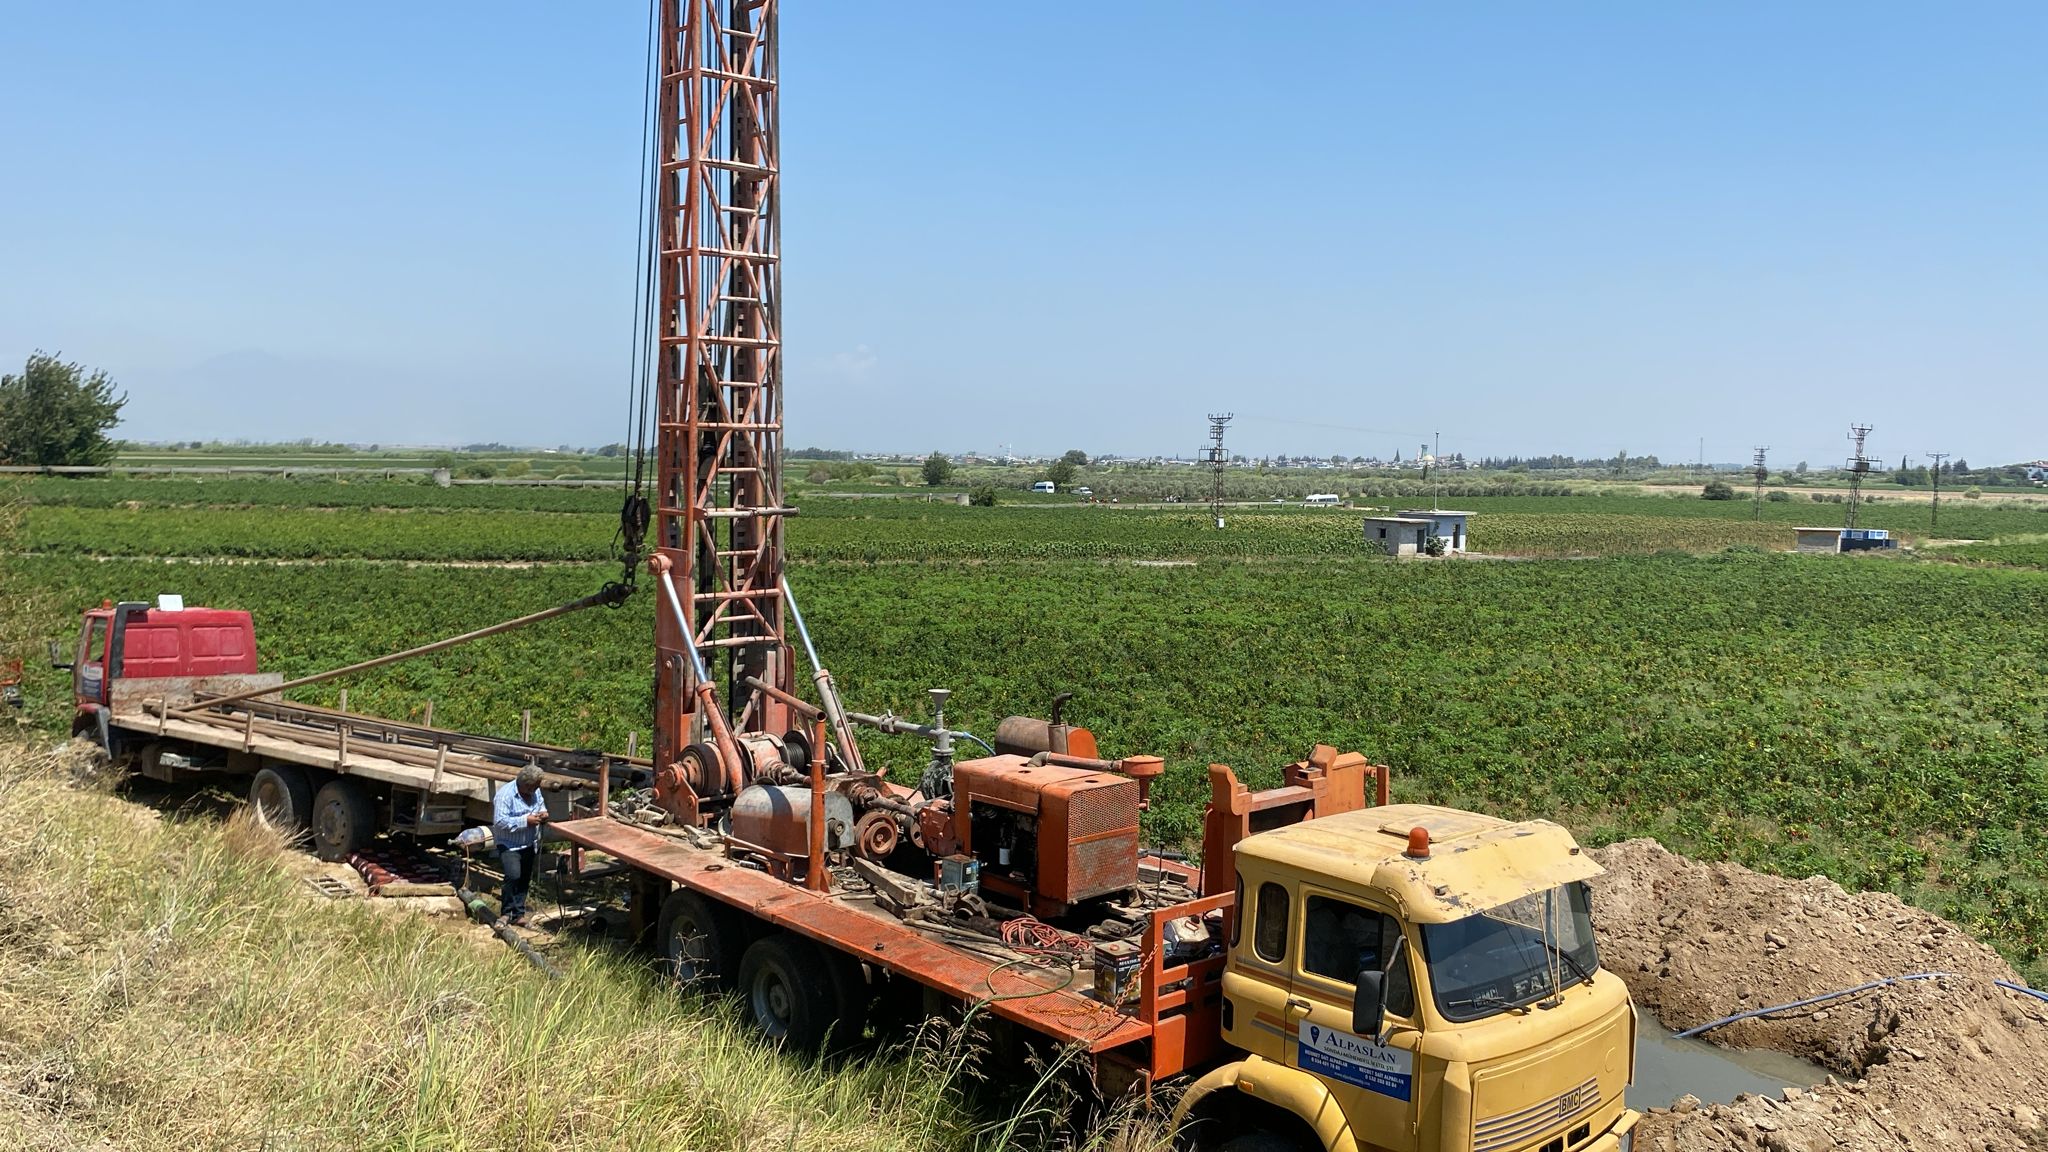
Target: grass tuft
(170, 983)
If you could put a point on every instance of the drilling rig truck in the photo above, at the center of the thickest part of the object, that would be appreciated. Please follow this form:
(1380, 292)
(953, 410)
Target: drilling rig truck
(1329, 971)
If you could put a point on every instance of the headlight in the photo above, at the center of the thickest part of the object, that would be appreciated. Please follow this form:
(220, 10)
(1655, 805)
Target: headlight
(1627, 1142)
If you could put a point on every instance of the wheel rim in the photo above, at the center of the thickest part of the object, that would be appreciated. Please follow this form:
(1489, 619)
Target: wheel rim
(331, 824)
(772, 1001)
(272, 805)
(689, 953)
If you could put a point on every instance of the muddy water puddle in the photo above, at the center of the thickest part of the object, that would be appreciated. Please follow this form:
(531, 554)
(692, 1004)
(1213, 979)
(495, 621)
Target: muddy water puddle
(1668, 1067)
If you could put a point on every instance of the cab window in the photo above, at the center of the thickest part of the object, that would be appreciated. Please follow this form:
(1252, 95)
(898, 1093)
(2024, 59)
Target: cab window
(1339, 939)
(1269, 934)
(91, 672)
(1237, 914)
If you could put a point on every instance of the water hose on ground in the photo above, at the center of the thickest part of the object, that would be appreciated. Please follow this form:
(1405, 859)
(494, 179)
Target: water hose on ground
(480, 911)
(1824, 997)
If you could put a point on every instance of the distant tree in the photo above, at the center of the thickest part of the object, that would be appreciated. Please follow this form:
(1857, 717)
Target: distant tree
(612, 450)
(982, 496)
(819, 474)
(937, 469)
(1718, 490)
(481, 470)
(1974, 493)
(1061, 473)
(518, 468)
(1801, 469)
(1076, 457)
(1778, 496)
(57, 414)
(443, 460)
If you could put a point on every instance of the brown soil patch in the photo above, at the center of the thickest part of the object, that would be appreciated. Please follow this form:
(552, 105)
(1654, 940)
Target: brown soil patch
(1953, 1063)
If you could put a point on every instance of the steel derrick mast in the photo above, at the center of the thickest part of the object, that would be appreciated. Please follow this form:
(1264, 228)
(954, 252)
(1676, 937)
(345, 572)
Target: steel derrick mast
(718, 381)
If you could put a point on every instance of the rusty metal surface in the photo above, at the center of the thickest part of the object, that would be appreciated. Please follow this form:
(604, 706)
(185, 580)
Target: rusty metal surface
(717, 345)
(1070, 1016)
(1087, 823)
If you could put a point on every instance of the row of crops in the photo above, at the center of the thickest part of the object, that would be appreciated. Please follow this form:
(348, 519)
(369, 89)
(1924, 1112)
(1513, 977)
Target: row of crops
(1880, 723)
(911, 532)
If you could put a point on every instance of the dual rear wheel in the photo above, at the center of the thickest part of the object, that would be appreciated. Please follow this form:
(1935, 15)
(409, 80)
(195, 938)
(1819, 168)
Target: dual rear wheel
(799, 994)
(339, 816)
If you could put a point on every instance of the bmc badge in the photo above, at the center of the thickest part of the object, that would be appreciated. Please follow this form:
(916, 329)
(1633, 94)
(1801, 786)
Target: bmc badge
(1355, 1059)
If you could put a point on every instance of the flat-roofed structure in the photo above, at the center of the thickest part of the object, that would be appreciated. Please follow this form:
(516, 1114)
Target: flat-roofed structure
(1446, 524)
(1398, 535)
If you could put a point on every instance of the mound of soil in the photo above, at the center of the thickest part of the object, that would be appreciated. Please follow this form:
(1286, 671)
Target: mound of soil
(1948, 1063)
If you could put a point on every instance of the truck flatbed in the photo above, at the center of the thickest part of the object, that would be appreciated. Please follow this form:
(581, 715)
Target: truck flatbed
(851, 924)
(436, 761)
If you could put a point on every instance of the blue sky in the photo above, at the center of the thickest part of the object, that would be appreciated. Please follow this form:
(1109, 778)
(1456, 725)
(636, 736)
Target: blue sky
(1563, 227)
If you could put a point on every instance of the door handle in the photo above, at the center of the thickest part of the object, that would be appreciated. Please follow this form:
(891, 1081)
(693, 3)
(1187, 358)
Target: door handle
(1297, 1006)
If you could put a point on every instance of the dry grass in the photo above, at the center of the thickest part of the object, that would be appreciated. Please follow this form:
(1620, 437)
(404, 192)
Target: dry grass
(170, 984)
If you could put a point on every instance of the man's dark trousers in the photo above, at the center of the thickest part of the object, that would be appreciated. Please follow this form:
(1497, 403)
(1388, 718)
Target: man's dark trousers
(519, 864)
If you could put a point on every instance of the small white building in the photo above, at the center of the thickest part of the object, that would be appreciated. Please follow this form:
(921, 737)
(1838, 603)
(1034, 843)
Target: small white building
(1449, 525)
(1398, 535)
(1817, 539)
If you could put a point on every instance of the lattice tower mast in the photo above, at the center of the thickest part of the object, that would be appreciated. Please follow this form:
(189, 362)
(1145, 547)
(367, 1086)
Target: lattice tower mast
(1756, 461)
(716, 245)
(1859, 467)
(1217, 459)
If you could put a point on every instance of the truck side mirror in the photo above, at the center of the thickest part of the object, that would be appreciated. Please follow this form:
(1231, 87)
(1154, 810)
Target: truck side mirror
(1369, 1002)
(57, 659)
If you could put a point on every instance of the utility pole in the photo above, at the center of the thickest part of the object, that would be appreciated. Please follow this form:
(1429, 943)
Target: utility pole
(1216, 457)
(1934, 519)
(1757, 461)
(1859, 467)
(1436, 492)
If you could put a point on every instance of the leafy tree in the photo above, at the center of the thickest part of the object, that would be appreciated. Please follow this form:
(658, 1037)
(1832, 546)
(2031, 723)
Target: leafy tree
(937, 469)
(1718, 490)
(1061, 473)
(1778, 496)
(1076, 457)
(819, 474)
(1801, 469)
(1974, 493)
(982, 496)
(612, 450)
(57, 414)
(518, 468)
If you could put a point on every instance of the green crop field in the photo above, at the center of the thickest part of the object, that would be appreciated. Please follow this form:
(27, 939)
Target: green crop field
(1878, 719)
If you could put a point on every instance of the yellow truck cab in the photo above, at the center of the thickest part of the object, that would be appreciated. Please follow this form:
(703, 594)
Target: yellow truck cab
(1417, 978)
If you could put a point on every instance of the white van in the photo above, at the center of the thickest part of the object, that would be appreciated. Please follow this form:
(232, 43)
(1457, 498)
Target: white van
(1045, 486)
(1324, 498)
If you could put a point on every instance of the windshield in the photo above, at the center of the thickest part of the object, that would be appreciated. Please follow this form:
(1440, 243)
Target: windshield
(1512, 955)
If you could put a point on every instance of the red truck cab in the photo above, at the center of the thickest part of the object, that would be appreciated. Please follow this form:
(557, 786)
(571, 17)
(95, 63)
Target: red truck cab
(133, 641)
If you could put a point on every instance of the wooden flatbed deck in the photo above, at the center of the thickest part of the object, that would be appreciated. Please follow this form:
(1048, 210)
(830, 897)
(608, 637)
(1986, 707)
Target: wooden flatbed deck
(1071, 1015)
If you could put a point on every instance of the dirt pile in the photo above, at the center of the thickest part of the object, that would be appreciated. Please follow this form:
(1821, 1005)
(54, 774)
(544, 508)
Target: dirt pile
(1945, 1063)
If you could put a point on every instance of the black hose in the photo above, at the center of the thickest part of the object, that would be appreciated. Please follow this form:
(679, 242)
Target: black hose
(480, 910)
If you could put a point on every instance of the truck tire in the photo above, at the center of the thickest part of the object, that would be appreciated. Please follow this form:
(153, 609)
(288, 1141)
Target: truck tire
(790, 993)
(343, 818)
(700, 940)
(281, 797)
